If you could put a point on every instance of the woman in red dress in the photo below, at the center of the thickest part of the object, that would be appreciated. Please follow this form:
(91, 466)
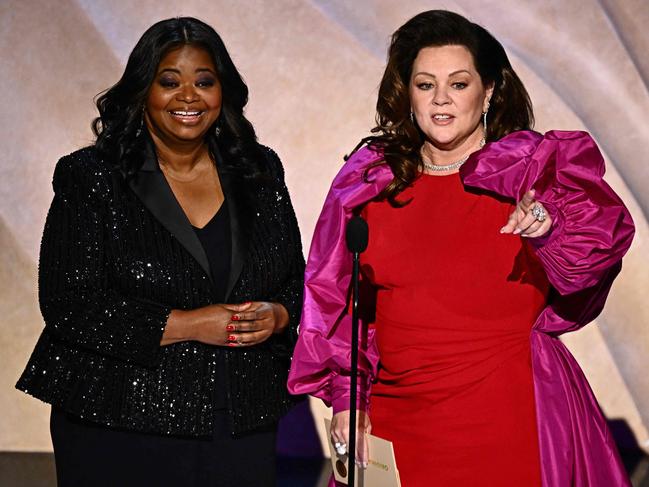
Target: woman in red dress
(457, 280)
(455, 298)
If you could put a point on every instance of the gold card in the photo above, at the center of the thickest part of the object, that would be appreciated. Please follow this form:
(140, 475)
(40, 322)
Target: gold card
(381, 470)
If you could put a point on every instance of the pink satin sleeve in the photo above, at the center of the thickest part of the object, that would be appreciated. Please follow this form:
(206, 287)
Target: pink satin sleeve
(321, 361)
(592, 229)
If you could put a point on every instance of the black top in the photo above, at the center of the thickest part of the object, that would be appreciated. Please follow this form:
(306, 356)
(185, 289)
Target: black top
(216, 241)
(116, 257)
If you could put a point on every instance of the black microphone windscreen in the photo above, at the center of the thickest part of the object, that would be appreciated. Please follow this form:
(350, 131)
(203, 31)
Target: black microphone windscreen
(357, 234)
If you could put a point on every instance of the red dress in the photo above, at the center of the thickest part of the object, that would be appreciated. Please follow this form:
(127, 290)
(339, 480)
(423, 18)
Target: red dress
(456, 301)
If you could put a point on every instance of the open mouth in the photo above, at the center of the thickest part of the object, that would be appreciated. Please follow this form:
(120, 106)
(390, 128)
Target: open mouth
(186, 116)
(442, 118)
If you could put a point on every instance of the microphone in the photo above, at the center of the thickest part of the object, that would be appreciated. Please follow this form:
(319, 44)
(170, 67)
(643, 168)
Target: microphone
(357, 234)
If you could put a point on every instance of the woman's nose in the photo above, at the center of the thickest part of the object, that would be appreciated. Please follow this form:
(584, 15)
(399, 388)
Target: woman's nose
(188, 93)
(440, 97)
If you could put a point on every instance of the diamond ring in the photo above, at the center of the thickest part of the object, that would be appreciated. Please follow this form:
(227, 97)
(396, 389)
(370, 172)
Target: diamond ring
(539, 213)
(341, 448)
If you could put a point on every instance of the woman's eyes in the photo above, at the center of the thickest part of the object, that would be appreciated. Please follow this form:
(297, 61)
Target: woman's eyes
(201, 83)
(458, 85)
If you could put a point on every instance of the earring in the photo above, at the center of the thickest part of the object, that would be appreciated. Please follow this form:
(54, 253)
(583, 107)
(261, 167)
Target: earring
(484, 123)
(412, 116)
(139, 129)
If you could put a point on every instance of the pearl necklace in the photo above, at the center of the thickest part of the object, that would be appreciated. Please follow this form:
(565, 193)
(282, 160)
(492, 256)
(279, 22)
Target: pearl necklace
(452, 166)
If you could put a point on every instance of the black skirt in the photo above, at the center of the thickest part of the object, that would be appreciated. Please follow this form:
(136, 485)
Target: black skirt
(96, 456)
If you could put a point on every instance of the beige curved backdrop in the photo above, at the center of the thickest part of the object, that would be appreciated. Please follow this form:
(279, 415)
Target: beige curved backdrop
(313, 68)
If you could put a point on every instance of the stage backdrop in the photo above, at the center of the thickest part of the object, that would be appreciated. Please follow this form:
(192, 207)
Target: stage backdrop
(313, 67)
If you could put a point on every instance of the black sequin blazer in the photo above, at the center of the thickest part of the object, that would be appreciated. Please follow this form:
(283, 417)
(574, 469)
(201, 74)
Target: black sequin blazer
(116, 258)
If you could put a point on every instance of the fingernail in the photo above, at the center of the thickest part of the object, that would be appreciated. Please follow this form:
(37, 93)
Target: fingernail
(247, 303)
(235, 318)
(502, 230)
(232, 344)
(364, 464)
(232, 338)
(517, 231)
(229, 327)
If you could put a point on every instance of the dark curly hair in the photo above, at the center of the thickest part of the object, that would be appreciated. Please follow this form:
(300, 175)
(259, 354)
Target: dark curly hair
(398, 137)
(121, 138)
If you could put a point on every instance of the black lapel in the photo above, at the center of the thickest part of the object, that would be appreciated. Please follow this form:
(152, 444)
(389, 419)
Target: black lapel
(153, 190)
(236, 191)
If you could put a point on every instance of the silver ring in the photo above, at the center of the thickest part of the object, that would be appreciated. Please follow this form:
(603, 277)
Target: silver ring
(341, 449)
(539, 213)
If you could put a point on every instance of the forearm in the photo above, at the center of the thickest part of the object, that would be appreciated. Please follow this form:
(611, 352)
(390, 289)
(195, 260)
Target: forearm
(181, 326)
(126, 328)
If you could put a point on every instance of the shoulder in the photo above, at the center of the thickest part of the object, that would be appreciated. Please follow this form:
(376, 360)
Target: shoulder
(530, 140)
(524, 144)
(81, 162)
(272, 163)
(80, 170)
(356, 169)
(574, 146)
(567, 135)
(364, 156)
(517, 144)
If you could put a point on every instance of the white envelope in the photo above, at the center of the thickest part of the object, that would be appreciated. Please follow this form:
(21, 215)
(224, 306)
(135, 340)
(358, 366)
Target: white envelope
(381, 470)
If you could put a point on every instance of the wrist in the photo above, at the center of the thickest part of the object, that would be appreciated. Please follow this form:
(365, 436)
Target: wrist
(282, 318)
(191, 325)
(181, 326)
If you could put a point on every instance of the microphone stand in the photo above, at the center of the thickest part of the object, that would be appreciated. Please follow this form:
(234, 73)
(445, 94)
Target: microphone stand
(356, 236)
(354, 376)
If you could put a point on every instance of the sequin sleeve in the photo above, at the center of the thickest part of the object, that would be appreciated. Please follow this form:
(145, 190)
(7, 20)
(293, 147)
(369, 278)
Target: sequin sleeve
(77, 305)
(290, 294)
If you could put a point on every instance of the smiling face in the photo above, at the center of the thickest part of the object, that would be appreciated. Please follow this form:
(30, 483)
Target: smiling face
(184, 99)
(448, 97)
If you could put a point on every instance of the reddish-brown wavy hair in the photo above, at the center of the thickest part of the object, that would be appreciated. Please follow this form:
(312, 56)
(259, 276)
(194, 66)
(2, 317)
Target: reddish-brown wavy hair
(396, 135)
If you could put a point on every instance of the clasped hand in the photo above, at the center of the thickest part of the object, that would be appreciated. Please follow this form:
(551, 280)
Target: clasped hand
(523, 222)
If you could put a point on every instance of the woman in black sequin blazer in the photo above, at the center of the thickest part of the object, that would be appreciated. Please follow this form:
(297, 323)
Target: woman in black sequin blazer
(175, 210)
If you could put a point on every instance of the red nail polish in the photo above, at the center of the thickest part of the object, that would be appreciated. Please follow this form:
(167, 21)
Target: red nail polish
(234, 318)
(232, 344)
(232, 338)
(229, 327)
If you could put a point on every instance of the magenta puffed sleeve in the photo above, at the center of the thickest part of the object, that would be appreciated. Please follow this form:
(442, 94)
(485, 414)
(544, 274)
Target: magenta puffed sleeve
(321, 361)
(592, 229)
